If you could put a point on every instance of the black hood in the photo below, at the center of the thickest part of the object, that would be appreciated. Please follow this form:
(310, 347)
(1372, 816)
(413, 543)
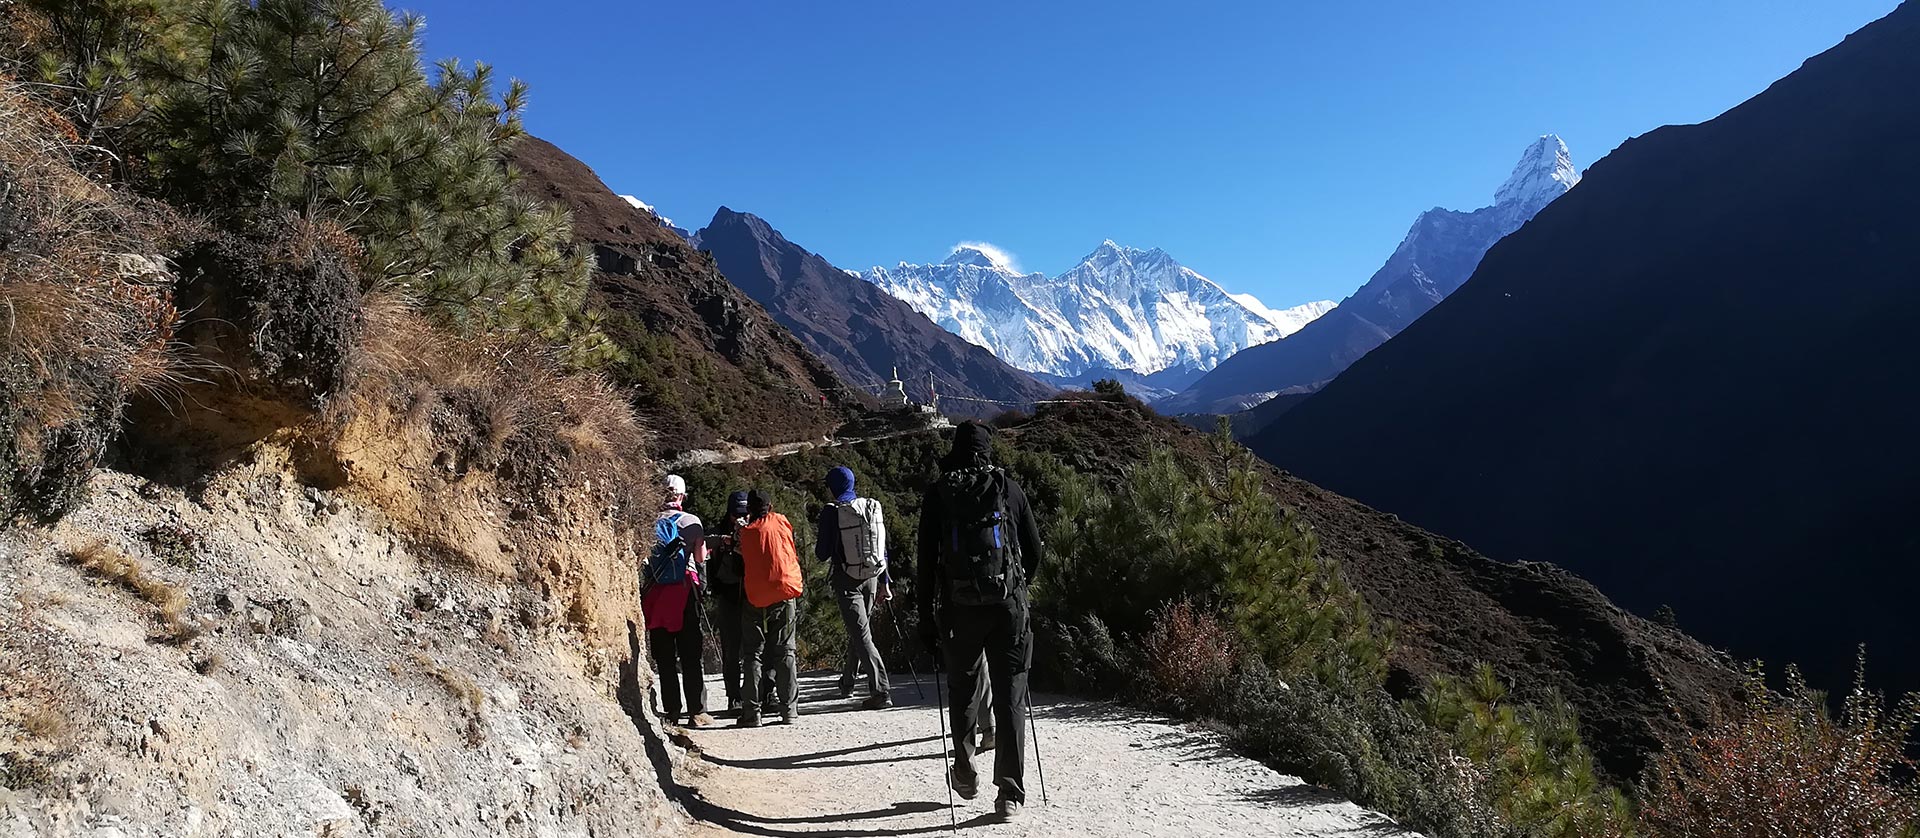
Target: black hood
(972, 446)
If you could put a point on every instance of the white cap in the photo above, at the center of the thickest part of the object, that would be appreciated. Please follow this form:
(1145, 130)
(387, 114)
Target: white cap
(676, 485)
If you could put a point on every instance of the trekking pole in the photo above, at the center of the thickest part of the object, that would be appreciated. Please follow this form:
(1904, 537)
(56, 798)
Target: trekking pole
(946, 768)
(1034, 727)
(907, 652)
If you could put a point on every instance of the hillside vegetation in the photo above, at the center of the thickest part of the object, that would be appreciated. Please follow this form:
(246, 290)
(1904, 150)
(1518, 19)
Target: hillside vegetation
(359, 474)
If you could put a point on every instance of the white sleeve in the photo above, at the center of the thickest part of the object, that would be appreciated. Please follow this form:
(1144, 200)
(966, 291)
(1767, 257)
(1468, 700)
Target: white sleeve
(879, 530)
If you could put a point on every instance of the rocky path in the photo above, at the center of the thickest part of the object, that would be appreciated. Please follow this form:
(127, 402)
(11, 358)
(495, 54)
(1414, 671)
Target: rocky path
(1110, 771)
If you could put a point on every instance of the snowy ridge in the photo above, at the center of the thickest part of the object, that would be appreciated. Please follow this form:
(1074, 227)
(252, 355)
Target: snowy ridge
(666, 222)
(1119, 308)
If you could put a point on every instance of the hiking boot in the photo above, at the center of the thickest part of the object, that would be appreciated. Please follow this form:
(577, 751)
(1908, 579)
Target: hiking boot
(747, 720)
(877, 701)
(965, 782)
(702, 720)
(1006, 809)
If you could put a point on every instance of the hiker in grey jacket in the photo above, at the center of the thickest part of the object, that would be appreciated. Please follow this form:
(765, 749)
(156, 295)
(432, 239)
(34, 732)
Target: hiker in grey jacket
(853, 542)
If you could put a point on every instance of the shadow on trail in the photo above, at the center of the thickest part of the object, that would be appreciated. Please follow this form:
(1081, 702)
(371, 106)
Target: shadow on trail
(824, 759)
(748, 824)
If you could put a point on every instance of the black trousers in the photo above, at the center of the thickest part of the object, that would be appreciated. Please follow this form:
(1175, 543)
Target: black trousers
(676, 654)
(727, 605)
(1002, 633)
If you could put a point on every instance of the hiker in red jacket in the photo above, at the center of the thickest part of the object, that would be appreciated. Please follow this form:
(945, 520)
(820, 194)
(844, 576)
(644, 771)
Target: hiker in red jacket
(671, 601)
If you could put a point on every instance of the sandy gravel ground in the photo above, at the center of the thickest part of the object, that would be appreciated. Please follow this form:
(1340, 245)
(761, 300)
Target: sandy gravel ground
(1110, 771)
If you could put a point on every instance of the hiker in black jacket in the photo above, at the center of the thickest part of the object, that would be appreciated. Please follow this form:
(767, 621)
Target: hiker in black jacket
(726, 573)
(979, 548)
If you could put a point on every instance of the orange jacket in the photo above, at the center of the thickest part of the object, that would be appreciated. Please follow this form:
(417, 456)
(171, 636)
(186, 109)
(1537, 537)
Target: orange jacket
(772, 563)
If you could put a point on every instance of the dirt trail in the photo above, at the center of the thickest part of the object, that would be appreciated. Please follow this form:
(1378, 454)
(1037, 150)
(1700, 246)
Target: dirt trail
(1111, 771)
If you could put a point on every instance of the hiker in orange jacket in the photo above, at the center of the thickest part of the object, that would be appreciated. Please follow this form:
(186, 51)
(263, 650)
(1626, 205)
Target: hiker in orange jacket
(770, 620)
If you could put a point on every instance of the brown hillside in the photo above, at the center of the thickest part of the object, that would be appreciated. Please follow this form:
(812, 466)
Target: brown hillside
(710, 365)
(1543, 628)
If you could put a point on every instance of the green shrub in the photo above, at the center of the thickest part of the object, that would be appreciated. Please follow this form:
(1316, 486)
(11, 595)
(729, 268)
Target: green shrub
(1534, 768)
(1209, 533)
(1364, 745)
(321, 106)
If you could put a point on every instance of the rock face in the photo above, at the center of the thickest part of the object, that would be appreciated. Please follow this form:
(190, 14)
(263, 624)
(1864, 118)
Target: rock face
(864, 333)
(1120, 308)
(1743, 449)
(1437, 255)
(325, 675)
(717, 366)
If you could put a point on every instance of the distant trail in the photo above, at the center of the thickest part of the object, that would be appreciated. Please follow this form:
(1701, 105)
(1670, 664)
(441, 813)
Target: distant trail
(1111, 771)
(741, 453)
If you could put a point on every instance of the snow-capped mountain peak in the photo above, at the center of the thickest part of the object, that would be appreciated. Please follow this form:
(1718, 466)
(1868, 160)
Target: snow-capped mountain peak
(967, 254)
(1545, 172)
(1120, 308)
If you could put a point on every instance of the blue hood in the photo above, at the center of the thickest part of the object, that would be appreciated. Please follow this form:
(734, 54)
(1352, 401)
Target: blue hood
(840, 483)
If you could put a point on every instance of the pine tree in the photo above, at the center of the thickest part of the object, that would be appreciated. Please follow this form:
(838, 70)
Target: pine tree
(322, 107)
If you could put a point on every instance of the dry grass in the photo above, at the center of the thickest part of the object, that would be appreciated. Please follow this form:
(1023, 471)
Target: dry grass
(1190, 656)
(169, 602)
(461, 686)
(499, 401)
(1779, 765)
(45, 722)
(86, 313)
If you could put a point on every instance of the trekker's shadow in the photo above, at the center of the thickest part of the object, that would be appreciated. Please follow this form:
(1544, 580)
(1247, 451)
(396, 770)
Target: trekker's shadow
(824, 759)
(747, 824)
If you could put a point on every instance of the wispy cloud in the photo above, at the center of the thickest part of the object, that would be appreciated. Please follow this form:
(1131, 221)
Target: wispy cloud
(999, 255)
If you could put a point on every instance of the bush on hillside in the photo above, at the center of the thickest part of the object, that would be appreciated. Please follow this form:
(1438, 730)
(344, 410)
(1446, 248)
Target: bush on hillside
(1190, 656)
(90, 60)
(1210, 536)
(87, 314)
(1780, 764)
(281, 301)
(1530, 761)
(321, 107)
(1364, 745)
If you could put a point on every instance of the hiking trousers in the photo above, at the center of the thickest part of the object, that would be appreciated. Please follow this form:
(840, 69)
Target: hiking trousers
(999, 637)
(769, 638)
(983, 698)
(676, 654)
(727, 605)
(856, 610)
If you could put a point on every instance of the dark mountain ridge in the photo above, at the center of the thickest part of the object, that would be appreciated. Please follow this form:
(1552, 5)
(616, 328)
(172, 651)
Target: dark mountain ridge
(1742, 450)
(711, 365)
(852, 324)
(1438, 254)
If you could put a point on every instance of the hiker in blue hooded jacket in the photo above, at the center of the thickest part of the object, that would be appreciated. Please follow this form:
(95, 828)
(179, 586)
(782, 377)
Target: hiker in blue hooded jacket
(853, 542)
(979, 548)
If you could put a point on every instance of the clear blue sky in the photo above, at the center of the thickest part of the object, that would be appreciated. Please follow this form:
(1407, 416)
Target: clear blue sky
(1280, 148)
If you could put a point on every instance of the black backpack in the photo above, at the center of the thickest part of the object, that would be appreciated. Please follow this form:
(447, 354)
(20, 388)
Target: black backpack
(727, 565)
(979, 553)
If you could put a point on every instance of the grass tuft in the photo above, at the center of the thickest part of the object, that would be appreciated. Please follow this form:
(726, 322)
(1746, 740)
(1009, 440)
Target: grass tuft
(169, 601)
